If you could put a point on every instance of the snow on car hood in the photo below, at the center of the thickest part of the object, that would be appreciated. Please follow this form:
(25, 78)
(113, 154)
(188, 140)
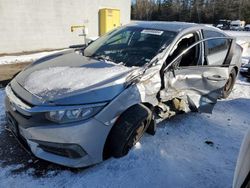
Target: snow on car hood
(81, 80)
(56, 81)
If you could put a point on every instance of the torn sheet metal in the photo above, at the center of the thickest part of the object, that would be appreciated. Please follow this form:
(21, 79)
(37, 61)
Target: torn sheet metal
(199, 87)
(150, 85)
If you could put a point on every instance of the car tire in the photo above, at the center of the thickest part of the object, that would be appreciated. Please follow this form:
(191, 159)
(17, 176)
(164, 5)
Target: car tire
(229, 85)
(128, 130)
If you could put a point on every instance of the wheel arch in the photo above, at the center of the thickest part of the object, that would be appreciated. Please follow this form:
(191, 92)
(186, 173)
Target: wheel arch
(236, 69)
(106, 149)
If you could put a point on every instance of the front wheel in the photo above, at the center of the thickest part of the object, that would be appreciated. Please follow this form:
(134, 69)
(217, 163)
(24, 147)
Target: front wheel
(229, 85)
(129, 129)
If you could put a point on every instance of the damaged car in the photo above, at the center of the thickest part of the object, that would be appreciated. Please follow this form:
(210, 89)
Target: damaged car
(81, 106)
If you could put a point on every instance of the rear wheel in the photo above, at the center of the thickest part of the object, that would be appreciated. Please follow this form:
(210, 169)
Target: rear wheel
(129, 129)
(229, 85)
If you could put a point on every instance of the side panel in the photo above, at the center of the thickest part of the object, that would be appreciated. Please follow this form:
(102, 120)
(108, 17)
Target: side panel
(127, 98)
(150, 85)
(199, 86)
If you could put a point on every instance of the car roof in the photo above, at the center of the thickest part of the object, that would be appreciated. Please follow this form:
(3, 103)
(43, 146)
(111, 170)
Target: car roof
(166, 26)
(173, 26)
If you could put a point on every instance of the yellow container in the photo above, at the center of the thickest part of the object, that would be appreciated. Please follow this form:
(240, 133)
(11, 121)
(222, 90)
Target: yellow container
(108, 19)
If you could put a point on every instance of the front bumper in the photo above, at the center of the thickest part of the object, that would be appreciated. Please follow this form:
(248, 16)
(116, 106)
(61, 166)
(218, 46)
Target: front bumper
(78, 144)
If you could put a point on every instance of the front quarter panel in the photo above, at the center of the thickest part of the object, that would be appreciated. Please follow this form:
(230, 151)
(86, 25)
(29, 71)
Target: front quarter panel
(127, 98)
(150, 85)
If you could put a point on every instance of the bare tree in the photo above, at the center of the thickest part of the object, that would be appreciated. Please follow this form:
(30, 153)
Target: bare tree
(144, 9)
(204, 11)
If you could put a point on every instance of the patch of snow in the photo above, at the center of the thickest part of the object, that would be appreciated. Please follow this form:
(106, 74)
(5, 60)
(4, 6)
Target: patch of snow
(62, 80)
(30, 161)
(240, 34)
(12, 59)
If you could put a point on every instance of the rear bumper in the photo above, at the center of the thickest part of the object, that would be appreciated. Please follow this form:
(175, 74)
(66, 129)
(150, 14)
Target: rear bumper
(74, 144)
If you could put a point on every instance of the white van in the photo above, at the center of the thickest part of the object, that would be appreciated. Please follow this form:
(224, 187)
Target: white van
(237, 25)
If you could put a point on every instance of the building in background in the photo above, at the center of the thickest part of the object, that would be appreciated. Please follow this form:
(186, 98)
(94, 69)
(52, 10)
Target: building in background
(33, 25)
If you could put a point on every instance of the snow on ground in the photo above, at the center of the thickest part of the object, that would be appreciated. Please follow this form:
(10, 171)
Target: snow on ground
(177, 156)
(241, 34)
(10, 59)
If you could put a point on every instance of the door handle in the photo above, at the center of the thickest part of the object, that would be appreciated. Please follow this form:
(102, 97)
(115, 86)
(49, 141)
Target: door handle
(216, 78)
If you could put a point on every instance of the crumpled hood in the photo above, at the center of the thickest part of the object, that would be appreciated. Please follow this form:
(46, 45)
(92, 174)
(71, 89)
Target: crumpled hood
(73, 79)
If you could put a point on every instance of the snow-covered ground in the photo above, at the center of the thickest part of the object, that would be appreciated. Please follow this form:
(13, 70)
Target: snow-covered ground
(10, 59)
(241, 34)
(177, 156)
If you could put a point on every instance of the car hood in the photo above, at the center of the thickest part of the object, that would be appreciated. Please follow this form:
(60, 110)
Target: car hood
(70, 78)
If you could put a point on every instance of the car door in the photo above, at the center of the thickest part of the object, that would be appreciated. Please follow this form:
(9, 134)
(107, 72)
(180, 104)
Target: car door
(198, 75)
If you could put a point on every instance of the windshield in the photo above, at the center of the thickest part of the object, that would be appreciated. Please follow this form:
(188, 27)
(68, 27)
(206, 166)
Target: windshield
(131, 46)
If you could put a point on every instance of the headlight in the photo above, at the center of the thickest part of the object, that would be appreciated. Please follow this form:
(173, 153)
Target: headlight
(66, 116)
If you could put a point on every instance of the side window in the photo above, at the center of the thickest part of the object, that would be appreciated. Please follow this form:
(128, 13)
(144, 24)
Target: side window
(192, 56)
(216, 49)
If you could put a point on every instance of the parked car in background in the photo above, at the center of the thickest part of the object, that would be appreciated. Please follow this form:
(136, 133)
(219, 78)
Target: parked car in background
(237, 25)
(223, 24)
(242, 170)
(79, 107)
(247, 27)
(245, 69)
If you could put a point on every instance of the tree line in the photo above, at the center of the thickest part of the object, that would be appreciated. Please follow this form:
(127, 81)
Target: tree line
(199, 11)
